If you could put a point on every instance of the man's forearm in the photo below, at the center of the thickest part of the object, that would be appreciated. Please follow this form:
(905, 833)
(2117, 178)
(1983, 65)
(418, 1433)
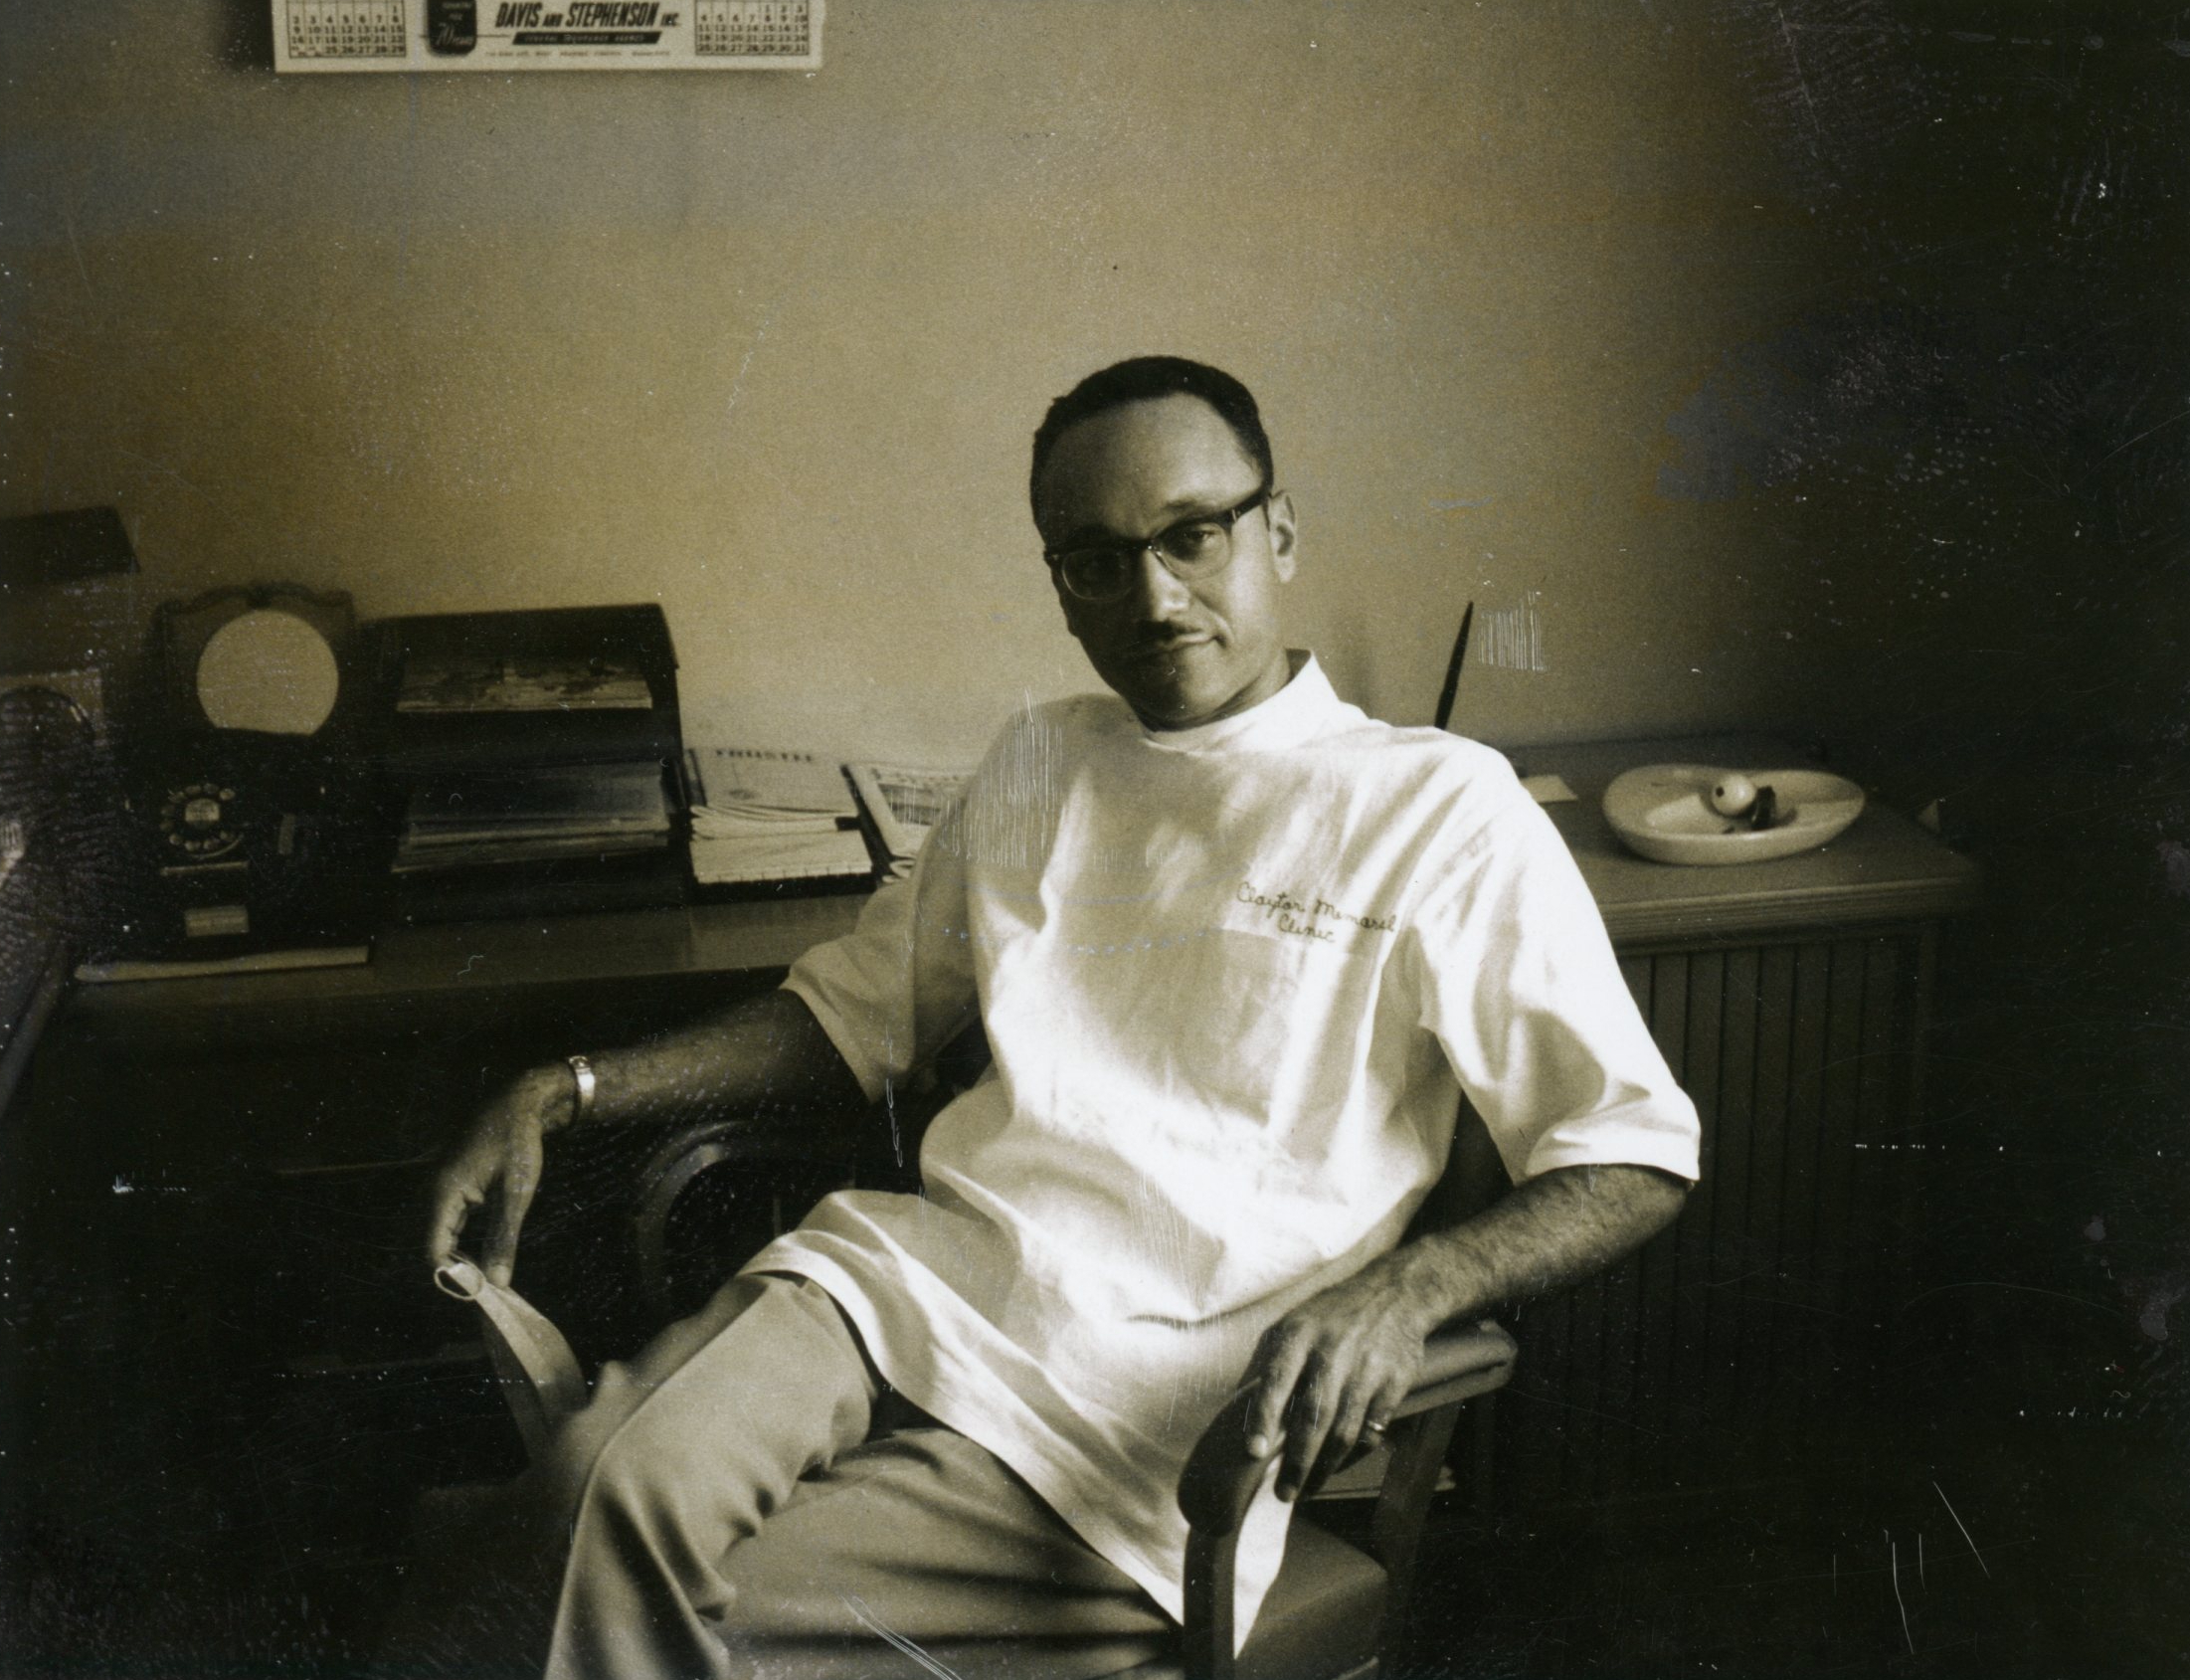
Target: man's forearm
(766, 1055)
(1554, 1231)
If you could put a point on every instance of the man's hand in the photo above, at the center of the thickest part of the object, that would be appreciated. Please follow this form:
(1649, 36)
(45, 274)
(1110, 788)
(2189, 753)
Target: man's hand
(1337, 1362)
(500, 1161)
(1347, 1357)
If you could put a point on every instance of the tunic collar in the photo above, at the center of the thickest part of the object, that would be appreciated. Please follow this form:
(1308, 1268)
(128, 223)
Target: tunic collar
(1306, 706)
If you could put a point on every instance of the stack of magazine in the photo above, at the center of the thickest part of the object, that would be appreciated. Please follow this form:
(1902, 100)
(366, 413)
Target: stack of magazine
(480, 819)
(531, 759)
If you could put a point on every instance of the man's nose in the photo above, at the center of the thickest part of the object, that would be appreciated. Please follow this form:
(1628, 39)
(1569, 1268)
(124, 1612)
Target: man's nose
(1154, 592)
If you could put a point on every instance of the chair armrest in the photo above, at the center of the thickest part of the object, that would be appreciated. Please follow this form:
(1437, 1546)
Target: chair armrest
(1460, 1362)
(538, 1374)
(1219, 1483)
(1220, 1478)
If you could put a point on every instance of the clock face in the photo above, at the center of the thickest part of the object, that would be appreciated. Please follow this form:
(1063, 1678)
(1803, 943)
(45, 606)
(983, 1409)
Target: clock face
(201, 821)
(267, 670)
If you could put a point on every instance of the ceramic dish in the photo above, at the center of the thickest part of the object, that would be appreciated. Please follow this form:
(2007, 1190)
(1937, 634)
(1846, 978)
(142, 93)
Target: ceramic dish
(1664, 812)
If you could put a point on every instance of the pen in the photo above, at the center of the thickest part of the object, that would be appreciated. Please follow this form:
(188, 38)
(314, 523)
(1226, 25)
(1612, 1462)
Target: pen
(1452, 672)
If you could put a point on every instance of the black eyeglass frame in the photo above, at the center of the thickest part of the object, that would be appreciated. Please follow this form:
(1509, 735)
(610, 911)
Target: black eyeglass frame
(1127, 551)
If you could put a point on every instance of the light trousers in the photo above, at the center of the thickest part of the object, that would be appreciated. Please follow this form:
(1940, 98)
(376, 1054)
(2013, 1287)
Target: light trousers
(746, 1499)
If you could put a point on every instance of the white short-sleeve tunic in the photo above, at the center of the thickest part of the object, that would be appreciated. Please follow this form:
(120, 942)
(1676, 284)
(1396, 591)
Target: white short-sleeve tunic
(1235, 980)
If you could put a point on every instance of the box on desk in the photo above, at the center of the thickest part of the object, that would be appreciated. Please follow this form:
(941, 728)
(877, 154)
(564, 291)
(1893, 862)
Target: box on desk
(534, 755)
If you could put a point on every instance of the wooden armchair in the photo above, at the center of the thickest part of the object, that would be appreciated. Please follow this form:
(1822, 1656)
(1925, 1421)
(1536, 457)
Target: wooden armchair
(1338, 1611)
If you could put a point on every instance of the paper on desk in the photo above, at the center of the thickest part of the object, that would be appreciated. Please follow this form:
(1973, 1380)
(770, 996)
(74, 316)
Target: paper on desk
(903, 805)
(732, 860)
(1548, 788)
(247, 962)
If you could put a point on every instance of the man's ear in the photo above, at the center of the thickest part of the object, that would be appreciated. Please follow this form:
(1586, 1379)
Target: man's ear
(1284, 538)
(1065, 599)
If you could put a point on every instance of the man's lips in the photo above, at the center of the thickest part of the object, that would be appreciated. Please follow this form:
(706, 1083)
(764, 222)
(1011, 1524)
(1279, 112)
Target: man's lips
(1167, 647)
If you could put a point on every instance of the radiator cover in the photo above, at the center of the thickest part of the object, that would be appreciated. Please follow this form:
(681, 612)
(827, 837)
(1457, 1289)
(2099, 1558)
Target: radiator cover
(1705, 1359)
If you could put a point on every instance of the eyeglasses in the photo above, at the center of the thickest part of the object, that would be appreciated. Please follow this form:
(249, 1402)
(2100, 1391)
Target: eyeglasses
(1192, 549)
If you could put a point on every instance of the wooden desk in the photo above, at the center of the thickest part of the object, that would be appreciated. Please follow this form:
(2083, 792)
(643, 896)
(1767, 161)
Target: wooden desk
(439, 978)
(1885, 869)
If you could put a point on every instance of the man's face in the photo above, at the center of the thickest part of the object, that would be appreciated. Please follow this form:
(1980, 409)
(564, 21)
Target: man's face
(1179, 652)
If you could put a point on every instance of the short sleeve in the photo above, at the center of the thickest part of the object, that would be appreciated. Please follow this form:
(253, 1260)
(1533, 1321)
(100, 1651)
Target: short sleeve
(900, 986)
(1517, 981)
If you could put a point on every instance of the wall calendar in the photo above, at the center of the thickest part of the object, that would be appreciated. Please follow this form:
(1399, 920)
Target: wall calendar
(520, 35)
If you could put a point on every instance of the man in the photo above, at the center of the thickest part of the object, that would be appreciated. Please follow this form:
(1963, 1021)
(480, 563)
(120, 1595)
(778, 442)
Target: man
(1238, 951)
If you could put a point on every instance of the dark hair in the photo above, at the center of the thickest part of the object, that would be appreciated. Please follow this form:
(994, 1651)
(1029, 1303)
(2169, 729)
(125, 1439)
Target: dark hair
(1143, 379)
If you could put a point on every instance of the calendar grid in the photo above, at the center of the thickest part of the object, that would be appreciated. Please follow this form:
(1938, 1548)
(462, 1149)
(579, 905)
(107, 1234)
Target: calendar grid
(752, 28)
(346, 28)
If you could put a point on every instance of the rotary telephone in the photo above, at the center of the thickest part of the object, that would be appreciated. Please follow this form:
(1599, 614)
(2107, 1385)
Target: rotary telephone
(256, 817)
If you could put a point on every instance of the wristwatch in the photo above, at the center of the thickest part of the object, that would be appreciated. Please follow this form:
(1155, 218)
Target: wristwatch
(581, 1073)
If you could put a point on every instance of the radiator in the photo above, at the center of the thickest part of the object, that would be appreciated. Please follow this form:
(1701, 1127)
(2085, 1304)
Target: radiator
(1699, 1361)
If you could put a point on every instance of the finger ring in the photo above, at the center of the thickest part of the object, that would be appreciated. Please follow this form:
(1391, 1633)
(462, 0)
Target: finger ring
(1373, 1428)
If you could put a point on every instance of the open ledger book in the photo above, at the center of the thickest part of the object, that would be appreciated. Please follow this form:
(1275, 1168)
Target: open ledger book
(761, 816)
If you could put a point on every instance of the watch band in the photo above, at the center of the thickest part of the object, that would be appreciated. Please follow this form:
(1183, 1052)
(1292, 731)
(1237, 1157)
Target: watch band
(581, 1073)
